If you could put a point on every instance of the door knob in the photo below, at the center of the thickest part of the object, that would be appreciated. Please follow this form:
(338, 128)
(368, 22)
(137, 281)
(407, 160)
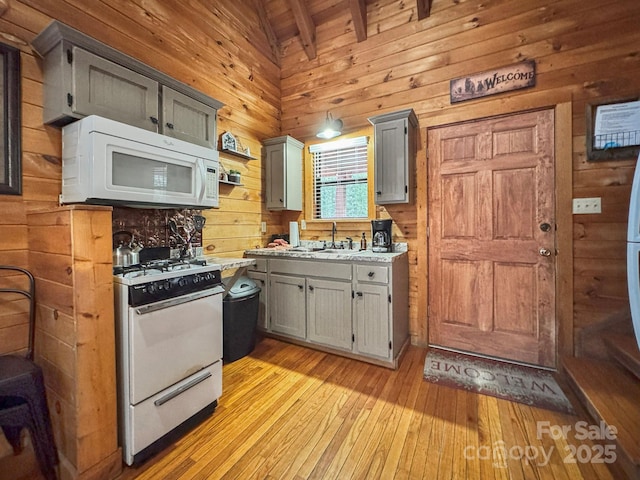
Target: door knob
(545, 252)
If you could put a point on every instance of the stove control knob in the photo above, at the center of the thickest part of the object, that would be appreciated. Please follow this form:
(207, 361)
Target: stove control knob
(182, 282)
(167, 285)
(208, 277)
(196, 278)
(151, 288)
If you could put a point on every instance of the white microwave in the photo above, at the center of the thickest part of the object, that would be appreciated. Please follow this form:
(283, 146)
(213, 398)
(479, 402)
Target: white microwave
(105, 162)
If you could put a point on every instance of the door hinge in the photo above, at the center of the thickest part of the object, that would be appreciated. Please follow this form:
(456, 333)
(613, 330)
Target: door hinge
(353, 294)
(428, 232)
(406, 130)
(353, 338)
(406, 189)
(69, 56)
(389, 298)
(69, 99)
(390, 346)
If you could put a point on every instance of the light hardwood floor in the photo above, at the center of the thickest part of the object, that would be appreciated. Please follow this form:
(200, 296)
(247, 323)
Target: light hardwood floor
(291, 412)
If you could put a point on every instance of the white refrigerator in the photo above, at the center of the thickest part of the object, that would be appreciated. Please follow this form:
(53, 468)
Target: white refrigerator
(633, 252)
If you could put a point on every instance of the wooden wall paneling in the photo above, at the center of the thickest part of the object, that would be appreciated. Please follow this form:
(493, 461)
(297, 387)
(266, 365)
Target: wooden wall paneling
(453, 46)
(170, 53)
(71, 260)
(96, 403)
(564, 232)
(572, 45)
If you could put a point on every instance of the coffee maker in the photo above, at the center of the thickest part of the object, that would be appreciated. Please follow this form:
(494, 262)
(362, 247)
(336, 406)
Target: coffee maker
(381, 235)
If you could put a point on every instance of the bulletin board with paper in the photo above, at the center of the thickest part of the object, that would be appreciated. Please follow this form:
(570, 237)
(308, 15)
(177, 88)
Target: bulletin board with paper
(613, 130)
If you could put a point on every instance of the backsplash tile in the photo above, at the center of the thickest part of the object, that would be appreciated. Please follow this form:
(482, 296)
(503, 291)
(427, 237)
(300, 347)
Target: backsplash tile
(150, 227)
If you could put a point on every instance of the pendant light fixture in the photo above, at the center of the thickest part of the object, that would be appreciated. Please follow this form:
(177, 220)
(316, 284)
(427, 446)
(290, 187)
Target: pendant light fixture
(330, 128)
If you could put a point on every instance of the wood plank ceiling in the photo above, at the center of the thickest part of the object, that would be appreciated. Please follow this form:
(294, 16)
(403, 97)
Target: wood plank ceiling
(284, 19)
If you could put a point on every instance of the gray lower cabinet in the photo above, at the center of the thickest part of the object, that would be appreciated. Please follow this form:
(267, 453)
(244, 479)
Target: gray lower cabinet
(371, 320)
(261, 280)
(329, 312)
(357, 308)
(287, 305)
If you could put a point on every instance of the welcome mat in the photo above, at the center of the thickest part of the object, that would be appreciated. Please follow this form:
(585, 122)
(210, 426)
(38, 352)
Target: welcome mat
(517, 383)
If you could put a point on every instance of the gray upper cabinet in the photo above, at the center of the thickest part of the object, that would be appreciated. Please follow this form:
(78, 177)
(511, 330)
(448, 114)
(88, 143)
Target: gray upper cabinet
(83, 76)
(394, 156)
(283, 165)
(187, 119)
(96, 86)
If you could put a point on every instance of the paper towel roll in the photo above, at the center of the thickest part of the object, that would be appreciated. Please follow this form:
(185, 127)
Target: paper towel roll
(294, 234)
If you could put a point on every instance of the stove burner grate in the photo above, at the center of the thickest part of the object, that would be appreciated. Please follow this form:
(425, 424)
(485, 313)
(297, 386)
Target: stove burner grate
(158, 266)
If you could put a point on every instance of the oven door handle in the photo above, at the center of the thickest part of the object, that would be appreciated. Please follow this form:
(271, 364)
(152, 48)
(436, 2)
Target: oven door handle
(171, 302)
(182, 389)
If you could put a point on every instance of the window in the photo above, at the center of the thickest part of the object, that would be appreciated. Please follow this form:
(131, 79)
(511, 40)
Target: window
(340, 187)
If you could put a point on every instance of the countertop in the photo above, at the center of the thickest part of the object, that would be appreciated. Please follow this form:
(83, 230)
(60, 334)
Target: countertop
(332, 254)
(229, 263)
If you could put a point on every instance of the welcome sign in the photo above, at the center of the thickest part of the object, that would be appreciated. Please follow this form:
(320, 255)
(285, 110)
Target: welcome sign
(505, 79)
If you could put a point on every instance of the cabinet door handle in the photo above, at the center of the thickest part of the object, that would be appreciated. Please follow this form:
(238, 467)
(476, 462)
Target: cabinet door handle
(359, 294)
(301, 287)
(370, 274)
(378, 193)
(169, 125)
(154, 120)
(311, 288)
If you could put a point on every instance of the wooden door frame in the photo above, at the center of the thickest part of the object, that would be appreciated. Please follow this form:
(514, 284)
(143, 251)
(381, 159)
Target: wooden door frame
(563, 211)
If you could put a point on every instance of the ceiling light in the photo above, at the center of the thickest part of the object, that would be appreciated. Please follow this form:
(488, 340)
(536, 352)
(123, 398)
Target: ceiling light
(330, 128)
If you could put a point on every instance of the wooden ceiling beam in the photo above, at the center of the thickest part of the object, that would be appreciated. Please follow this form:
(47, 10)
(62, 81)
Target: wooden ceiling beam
(359, 16)
(306, 27)
(268, 30)
(424, 8)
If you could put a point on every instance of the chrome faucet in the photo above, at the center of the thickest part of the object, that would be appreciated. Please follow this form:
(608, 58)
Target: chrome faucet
(334, 230)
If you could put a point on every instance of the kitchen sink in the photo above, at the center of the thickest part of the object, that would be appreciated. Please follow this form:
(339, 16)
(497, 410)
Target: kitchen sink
(333, 250)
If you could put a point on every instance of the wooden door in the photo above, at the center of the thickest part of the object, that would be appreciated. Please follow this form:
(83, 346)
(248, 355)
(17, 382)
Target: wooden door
(492, 237)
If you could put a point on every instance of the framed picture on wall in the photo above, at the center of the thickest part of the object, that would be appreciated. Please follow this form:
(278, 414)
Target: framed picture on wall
(10, 162)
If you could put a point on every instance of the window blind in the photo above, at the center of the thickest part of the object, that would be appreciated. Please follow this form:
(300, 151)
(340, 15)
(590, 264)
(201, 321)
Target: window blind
(340, 179)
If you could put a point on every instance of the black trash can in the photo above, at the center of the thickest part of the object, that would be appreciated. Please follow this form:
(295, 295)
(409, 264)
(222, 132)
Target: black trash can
(240, 319)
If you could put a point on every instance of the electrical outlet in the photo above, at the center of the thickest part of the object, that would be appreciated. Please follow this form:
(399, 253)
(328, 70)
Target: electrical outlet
(303, 224)
(263, 227)
(587, 205)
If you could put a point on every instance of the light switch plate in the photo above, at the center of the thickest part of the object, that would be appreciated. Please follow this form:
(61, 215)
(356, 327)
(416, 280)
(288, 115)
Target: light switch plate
(263, 227)
(303, 225)
(587, 205)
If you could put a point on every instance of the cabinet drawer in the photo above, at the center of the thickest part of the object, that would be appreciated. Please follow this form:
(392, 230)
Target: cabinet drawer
(372, 273)
(260, 266)
(319, 268)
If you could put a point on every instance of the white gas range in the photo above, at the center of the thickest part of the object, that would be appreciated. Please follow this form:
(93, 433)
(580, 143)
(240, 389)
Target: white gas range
(169, 350)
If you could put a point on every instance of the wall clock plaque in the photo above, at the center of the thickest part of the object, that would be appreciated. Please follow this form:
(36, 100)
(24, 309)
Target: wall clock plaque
(229, 142)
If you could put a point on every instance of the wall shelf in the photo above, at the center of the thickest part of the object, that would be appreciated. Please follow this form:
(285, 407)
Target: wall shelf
(227, 182)
(237, 154)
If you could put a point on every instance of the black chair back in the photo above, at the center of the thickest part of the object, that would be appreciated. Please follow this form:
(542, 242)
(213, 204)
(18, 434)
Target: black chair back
(30, 293)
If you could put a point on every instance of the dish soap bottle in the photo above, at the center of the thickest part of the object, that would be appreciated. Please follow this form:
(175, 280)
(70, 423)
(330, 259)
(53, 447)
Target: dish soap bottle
(363, 242)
